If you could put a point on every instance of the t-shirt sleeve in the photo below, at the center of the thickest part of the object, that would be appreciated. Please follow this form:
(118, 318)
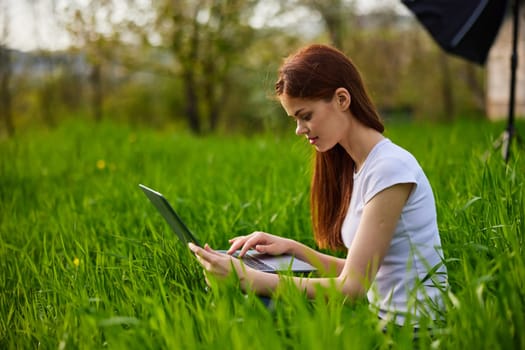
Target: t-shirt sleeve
(387, 172)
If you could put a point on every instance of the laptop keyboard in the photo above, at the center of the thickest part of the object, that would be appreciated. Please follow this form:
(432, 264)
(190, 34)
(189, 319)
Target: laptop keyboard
(255, 263)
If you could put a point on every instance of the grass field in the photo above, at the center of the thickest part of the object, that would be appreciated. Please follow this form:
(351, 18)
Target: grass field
(86, 262)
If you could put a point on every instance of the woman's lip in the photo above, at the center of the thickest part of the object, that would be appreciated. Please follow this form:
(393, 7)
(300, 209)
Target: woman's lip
(312, 140)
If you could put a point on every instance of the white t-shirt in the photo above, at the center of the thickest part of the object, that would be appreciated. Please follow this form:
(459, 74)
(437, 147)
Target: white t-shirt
(402, 285)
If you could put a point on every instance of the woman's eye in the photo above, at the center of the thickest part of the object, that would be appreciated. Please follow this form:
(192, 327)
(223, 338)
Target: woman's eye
(307, 117)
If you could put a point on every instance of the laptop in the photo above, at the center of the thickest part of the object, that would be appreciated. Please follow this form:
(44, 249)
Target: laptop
(254, 259)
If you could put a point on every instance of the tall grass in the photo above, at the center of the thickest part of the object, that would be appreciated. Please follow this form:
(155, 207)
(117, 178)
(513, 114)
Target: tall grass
(86, 261)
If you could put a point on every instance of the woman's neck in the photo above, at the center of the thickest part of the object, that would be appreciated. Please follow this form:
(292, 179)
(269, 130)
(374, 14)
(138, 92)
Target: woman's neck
(359, 142)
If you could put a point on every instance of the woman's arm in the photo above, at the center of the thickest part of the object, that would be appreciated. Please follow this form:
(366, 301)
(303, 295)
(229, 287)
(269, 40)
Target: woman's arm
(274, 245)
(370, 245)
(327, 264)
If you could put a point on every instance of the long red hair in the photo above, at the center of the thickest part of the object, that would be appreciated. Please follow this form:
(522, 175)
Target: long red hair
(315, 72)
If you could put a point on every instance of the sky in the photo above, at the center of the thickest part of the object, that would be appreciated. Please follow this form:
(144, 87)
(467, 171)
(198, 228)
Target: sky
(34, 27)
(30, 27)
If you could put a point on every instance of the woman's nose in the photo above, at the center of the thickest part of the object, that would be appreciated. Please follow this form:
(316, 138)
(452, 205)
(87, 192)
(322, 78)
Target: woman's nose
(300, 129)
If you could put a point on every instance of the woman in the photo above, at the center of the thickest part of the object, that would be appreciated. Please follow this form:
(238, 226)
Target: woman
(368, 196)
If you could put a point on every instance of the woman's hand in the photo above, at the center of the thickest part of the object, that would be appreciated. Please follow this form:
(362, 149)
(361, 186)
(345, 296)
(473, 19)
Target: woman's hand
(218, 264)
(262, 242)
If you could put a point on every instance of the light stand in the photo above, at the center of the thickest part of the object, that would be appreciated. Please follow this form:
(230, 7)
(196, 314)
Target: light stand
(505, 140)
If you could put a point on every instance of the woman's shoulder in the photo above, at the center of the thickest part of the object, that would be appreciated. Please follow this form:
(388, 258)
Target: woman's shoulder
(388, 165)
(389, 154)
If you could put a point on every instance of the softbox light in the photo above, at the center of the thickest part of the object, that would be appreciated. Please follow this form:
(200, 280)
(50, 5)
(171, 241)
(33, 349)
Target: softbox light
(466, 28)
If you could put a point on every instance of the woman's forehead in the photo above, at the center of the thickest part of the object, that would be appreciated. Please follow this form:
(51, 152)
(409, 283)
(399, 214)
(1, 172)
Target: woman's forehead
(295, 105)
(292, 104)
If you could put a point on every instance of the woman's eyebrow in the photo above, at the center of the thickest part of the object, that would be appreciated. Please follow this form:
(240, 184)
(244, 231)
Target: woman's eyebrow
(296, 114)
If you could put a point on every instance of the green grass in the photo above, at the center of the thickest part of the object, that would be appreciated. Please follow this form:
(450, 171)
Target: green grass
(86, 262)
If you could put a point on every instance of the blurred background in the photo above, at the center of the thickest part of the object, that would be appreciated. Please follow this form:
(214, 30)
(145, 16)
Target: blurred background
(208, 66)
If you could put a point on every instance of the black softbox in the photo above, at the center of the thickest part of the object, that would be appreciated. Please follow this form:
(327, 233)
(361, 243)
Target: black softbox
(466, 28)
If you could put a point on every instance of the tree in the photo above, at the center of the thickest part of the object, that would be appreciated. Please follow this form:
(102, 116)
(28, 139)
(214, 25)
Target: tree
(6, 113)
(91, 31)
(337, 16)
(206, 38)
(334, 16)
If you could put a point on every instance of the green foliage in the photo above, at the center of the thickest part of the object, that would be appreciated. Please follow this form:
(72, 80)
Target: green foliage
(86, 261)
(202, 64)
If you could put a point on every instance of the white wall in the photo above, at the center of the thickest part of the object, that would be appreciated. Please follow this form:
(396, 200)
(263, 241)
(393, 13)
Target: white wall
(499, 72)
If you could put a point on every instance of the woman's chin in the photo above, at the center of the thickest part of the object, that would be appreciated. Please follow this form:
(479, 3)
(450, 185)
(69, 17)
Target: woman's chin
(323, 148)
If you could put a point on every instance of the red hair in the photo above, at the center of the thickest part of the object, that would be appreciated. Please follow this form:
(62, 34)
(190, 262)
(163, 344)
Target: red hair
(315, 72)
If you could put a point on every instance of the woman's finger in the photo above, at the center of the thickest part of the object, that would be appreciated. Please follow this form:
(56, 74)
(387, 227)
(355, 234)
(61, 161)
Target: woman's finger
(201, 253)
(210, 250)
(239, 242)
(194, 248)
(231, 240)
(212, 261)
(206, 253)
(204, 263)
(236, 245)
(254, 240)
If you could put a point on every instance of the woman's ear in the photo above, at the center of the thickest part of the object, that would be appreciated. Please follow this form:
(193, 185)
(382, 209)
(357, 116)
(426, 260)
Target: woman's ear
(343, 98)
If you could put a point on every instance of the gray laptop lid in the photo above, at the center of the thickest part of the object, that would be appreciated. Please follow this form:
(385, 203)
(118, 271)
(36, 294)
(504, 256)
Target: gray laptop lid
(170, 215)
